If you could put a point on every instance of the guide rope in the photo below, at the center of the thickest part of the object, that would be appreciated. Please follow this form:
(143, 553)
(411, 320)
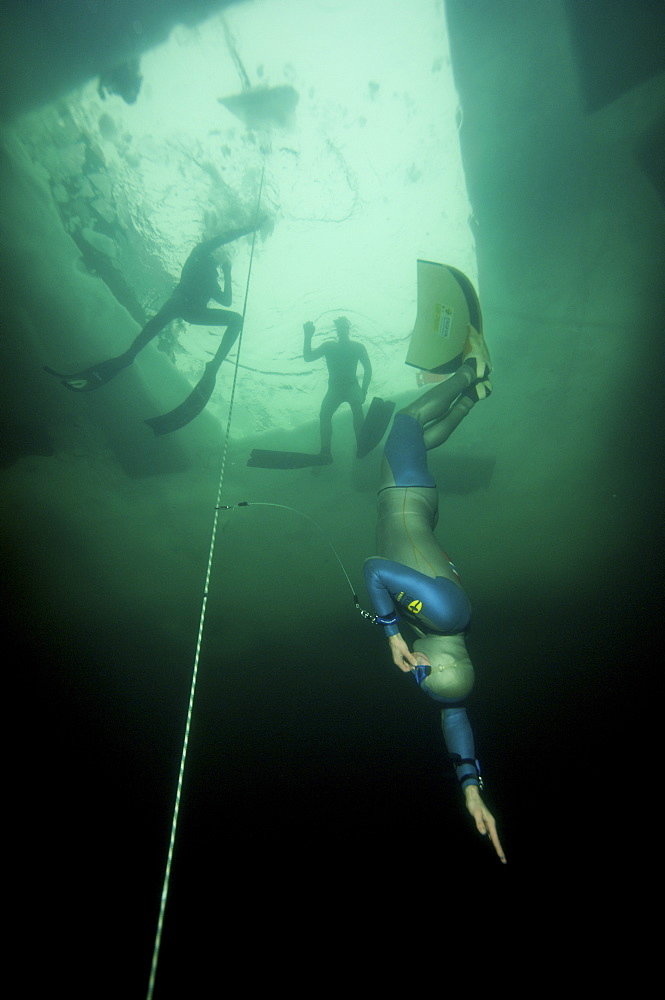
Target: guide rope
(199, 638)
(374, 619)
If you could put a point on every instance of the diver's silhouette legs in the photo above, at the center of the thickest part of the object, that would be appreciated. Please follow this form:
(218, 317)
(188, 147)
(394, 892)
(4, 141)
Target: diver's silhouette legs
(332, 401)
(202, 391)
(99, 374)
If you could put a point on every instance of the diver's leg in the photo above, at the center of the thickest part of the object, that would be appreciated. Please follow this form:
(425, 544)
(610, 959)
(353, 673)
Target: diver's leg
(202, 391)
(329, 406)
(435, 403)
(216, 317)
(233, 323)
(169, 311)
(212, 317)
(99, 374)
(405, 453)
(404, 461)
(438, 431)
(431, 419)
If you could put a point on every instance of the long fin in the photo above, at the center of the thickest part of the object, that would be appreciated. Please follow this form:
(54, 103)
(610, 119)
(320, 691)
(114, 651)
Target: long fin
(447, 305)
(90, 378)
(195, 403)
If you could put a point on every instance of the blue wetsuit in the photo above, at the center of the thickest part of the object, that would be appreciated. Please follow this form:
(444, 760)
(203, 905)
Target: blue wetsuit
(414, 574)
(438, 606)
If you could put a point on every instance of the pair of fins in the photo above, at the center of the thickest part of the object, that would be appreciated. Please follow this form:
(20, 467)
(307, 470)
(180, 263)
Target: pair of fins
(98, 375)
(374, 427)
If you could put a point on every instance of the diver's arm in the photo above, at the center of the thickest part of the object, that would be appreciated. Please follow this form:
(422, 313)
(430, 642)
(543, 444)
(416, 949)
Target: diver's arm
(233, 234)
(377, 586)
(401, 654)
(225, 296)
(388, 581)
(458, 735)
(307, 352)
(378, 580)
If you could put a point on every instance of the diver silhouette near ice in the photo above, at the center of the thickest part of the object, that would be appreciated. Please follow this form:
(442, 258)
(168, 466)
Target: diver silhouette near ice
(342, 358)
(197, 286)
(413, 574)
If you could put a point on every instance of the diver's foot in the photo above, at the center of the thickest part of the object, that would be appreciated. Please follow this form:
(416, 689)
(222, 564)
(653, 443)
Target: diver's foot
(80, 383)
(476, 355)
(96, 376)
(325, 458)
(479, 390)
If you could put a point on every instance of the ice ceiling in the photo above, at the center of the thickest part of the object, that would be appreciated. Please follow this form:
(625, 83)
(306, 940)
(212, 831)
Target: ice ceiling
(364, 178)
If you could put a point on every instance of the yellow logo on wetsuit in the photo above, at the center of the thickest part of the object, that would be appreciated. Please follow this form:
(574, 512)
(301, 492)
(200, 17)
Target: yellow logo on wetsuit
(415, 607)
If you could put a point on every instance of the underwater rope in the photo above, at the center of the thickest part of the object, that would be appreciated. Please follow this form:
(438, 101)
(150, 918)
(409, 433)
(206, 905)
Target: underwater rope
(375, 619)
(199, 638)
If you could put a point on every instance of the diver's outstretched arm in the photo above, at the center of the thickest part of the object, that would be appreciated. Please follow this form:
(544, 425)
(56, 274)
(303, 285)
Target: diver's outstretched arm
(458, 736)
(307, 352)
(233, 234)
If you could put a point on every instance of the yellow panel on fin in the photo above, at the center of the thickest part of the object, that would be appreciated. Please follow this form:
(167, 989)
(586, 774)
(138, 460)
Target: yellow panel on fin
(447, 304)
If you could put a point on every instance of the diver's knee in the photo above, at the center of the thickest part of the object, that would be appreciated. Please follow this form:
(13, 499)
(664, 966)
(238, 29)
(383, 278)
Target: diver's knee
(411, 410)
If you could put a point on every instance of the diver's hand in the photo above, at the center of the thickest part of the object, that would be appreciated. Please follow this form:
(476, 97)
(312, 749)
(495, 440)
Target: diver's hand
(485, 822)
(309, 329)
(402, 655)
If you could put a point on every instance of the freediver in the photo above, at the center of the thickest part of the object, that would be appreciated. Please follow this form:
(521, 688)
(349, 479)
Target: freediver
(413, 574)
(197, 286)
(342, 358)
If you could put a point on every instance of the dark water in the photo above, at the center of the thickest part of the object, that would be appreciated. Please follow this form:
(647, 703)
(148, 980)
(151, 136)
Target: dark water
(317, 805)
(317, 801)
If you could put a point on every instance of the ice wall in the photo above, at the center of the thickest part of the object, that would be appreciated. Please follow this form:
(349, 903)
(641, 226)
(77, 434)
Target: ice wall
(313, 762)
(364, 178)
